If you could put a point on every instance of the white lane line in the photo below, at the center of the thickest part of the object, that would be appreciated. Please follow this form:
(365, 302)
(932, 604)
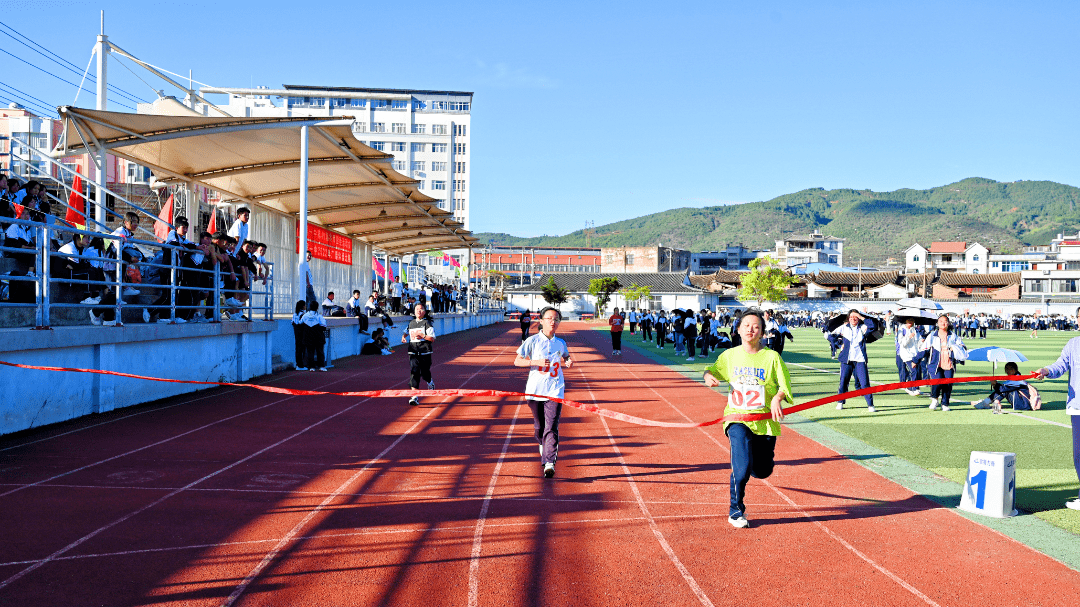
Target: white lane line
(690, 581)
(295, 531)
(892, 576)
(151, 410)
(163, 441)
(1045, 421)
(478, 533)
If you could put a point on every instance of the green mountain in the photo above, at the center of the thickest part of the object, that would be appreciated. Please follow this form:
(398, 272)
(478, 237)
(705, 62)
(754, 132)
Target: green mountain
(877, 225)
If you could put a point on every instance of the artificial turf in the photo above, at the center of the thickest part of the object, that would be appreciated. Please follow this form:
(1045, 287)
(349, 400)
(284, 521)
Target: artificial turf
(935, 440)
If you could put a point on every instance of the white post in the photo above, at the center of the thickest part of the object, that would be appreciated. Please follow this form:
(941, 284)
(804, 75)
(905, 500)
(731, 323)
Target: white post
(303, 206)
(102, 104)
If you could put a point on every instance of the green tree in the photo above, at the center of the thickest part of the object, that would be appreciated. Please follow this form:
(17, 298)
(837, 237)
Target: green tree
(766, 281)
(633, 294)
(601, 289)
(553, 293)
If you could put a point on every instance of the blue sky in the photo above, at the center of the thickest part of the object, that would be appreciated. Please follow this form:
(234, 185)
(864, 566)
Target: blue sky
(610, 110)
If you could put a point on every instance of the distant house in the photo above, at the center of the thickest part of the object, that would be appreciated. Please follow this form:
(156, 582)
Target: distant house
(915, 259)
(722, 281)
(870, 285)
(670, 290)
(643, 259)
(964, 285)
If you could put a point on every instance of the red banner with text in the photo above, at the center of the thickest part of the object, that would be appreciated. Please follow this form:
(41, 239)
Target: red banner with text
(326, 244)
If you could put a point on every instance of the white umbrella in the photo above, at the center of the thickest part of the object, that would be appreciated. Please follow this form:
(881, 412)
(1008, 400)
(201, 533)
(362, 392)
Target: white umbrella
(921, 303)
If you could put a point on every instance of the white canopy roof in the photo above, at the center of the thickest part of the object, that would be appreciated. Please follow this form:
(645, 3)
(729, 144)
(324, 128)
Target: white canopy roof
(351, 187)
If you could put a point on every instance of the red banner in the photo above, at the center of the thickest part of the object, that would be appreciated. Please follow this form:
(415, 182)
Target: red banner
(326, 244)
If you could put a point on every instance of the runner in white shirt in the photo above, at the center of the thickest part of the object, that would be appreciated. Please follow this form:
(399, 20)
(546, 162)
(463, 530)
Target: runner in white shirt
(546, 356)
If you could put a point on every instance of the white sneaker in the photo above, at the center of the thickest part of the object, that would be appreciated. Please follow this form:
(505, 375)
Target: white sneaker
(93, 301)
(322, 368)
(945, 408)
(145, 315)
(871, 409)
(691, 359)
(163, 321)
(179, 320)
(414, 401)
(840, 406)
(549, 470)
(933, 404)
(236, 303)
(1073, 504)
(130, 292)
(738, 522)
(109, 323)
(94, 319)
(981, 404)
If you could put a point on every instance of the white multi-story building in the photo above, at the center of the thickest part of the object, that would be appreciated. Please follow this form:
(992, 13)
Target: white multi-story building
(814, 248)
(428, 132)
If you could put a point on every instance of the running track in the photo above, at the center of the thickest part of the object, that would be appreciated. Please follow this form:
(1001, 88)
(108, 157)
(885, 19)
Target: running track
(236, 497)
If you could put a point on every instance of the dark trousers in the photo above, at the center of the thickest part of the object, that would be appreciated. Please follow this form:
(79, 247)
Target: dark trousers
(690, 339)
(1076, 443)
(546, 416)
(646, 330)
(298, 341)
(901, 368)
(616, 340)
(314, 346)
(943, 391)
(419, 368)
(862, 379)
(524, 332)
(633, 326)
(982, 332)
(751, 455)
(661, 335)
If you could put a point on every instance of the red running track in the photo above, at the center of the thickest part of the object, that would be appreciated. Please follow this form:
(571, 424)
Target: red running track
(235, 497)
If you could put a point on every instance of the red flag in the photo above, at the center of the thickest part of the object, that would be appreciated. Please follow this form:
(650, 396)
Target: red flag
(76, 213)
(213, 220)
(161, 226)
(18, 209)
(379, 269)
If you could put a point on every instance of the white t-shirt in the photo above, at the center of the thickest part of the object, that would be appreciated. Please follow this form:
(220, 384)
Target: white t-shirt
(397, 289)
(239, 231)
(548, 379)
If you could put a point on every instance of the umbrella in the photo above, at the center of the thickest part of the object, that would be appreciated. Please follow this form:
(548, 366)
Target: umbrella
(840, 319)
(921, 317)
(921, 303)
(996, 355)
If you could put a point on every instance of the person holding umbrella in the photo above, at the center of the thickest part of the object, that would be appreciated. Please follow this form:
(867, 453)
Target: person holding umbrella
(945, 350)
(853, 336)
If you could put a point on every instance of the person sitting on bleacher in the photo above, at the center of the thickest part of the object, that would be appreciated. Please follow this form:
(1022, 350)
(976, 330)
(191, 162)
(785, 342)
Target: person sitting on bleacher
(128, 251)
(75, 268)
(1019, 394)
(21, 236)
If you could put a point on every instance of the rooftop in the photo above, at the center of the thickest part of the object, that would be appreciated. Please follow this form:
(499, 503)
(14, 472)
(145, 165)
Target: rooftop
(575, 282)
(360, 90)
(948, 247)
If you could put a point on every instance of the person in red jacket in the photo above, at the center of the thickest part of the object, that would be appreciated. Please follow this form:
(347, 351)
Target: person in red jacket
(616, 322)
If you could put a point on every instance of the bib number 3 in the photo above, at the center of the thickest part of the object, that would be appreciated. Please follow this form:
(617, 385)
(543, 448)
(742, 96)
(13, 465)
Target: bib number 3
(550, 368)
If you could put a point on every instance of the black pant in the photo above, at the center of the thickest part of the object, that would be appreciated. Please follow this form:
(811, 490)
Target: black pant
(646, 330)
(419, 368)
(298, 343)
(524, 332)
(616, 340)
(314, 343)
(690, 339)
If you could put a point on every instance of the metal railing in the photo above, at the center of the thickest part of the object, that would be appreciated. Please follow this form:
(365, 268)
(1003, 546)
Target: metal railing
(181, 283)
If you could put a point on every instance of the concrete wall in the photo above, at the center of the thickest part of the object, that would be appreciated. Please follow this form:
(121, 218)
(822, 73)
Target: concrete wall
(231, 351)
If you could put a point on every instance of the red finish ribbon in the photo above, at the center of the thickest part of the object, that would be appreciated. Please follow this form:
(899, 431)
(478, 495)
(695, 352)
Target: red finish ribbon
(582, 406)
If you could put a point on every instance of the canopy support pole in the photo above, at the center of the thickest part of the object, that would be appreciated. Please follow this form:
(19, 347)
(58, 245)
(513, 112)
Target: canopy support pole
(303, 205)
(102, 50)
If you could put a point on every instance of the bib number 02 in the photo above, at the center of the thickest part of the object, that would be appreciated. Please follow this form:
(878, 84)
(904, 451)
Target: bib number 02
(747, 397)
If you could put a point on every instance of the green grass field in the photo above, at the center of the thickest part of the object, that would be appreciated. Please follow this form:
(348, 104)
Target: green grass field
(934, 440)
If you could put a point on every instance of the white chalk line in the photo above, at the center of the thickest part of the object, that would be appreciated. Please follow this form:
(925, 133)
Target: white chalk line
(291, 535)
(163, 441)
(478, 533)
(892, 576)
(659, 535)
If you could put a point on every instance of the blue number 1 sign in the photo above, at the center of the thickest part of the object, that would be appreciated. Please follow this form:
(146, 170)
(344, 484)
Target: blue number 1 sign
(980, 480)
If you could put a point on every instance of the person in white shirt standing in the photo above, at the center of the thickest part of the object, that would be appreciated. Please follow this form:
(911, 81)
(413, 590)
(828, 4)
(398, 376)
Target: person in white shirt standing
(546, 356)
(853, 355)
(239, 228)
(306, 281)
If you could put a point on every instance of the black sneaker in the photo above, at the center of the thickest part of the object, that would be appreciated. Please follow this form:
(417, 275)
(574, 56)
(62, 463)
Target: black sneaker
(549, 470)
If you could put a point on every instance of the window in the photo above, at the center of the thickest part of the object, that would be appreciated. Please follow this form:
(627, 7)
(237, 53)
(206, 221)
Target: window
(1063, 286)
(358, 102)
(419, 147)
(399, 104)
(975, 257)
(438, 147)
(440, 105)
(399, 165)
(338, 102)
(459, 130)
(397, 146)
(438, 129)
(421, 184)
(438, 166)
(1014, 266)
(1034, 286)
(459, 185)
(459, 204)
(915, 258)
(459, 106)
(419, 105)
(378, 127)
(398, 127)
(359, 127)
(975, 271)
(418, 129)
(379, 104)
(318, 101)
(438, 184)
(418, 165)
(459, 149)
(378, 145)
(993, 264)
(442, 204)
(630, 259)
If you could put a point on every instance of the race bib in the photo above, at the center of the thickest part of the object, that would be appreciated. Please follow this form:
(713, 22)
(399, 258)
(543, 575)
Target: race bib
(417, 334)
(551, 367)
(747, 397)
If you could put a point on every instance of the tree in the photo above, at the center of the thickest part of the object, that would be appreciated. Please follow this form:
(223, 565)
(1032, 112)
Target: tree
(765, 281)
(601, 289)
(634, 293)
(553, 293)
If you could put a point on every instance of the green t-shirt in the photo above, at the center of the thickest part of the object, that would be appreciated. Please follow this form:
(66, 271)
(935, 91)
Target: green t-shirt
(753, 380)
